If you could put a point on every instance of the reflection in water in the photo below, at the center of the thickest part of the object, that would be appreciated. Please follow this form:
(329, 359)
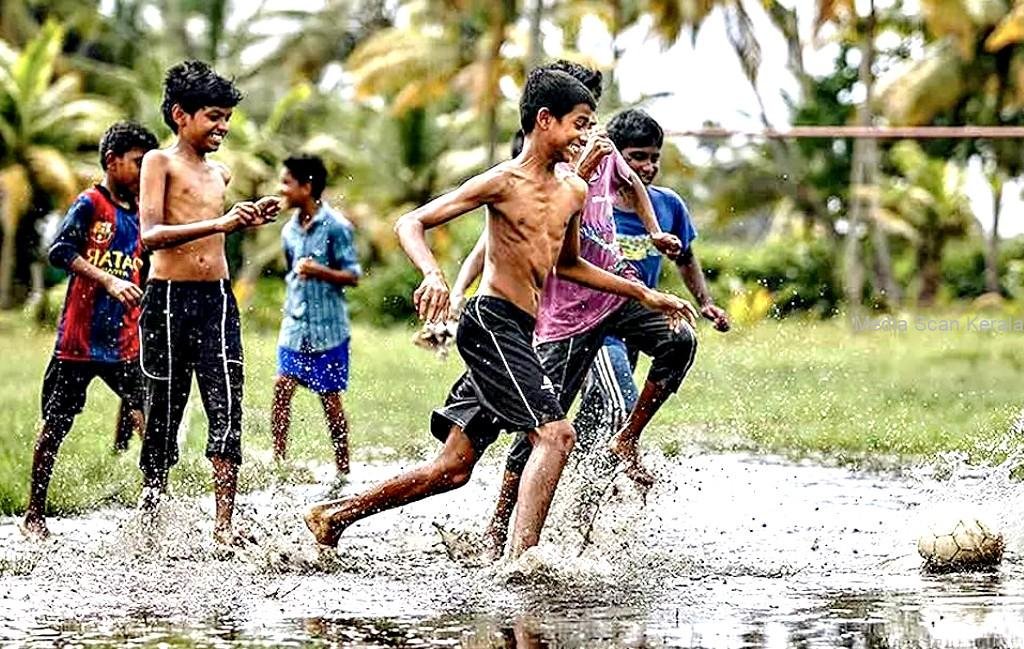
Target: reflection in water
(729, 551)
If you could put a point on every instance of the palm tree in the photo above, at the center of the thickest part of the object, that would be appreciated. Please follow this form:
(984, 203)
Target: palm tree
(969, 75)
(928, 194)
(672, 18)
(996, 180)
(327, 35)
(45, 121)
(449, 48)
(21, 20)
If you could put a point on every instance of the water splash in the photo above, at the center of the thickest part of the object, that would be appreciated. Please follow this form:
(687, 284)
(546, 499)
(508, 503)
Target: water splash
(724, 548)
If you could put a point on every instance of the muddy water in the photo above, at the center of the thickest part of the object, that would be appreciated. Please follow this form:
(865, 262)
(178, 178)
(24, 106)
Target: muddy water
(728, 551)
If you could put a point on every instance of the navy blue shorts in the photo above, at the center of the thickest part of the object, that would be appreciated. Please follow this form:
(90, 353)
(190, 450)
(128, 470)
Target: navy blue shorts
(504, 387)
(190, 329)
(322, 372)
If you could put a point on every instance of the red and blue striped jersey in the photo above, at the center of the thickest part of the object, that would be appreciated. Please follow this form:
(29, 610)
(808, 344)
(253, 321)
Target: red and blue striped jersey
(94, 326)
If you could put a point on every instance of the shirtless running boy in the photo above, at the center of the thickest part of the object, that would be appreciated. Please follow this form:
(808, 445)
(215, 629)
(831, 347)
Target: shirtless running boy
(190, 322)
(533, 206)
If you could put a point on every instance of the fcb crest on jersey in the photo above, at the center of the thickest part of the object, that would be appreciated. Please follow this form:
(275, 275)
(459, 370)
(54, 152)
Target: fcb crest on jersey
(102, 231)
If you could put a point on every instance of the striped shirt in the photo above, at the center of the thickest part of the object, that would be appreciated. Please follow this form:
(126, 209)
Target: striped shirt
(315, 311)
(94, 326)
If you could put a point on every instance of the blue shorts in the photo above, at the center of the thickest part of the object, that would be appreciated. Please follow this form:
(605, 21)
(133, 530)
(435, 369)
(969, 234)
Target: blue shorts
(322, 372)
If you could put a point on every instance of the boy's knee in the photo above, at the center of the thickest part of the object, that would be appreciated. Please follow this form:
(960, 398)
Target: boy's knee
(673, 359)
(285, 384)
(54, 430)
(454, 471)
(684, 343)
(678, 351)
(558, 435)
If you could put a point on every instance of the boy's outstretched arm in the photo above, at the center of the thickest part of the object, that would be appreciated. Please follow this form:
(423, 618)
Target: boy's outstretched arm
(157, 234)
(574, 268)
(666, 243)
(431, 298)
(693, 276)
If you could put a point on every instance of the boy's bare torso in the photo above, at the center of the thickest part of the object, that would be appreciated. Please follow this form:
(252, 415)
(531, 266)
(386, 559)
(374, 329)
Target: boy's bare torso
(194, 191)
(527, 221)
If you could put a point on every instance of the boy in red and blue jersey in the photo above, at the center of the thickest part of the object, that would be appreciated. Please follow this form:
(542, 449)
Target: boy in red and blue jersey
(99, 244)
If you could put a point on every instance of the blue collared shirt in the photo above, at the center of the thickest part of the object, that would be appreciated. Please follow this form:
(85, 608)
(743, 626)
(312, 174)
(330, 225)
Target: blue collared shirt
(315, 311)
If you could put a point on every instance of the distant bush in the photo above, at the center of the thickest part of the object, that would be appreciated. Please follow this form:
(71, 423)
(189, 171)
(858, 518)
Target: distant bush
(799, 275)
(384, 295)
(791, 275)
(963, 268)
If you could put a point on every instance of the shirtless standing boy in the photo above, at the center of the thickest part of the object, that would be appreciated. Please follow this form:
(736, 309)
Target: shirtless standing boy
(533, 226)
(190, 322)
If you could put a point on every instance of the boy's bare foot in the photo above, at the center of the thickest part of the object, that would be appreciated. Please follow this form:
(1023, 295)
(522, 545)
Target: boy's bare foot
(629, 455)
(150, 499)
(34, 529)
(326, 531)
(494, 545)
(225, 535)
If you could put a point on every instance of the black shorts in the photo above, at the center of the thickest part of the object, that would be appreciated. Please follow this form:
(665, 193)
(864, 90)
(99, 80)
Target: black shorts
(66, 382)
(504, 387)
(567, 361)
(186, 329)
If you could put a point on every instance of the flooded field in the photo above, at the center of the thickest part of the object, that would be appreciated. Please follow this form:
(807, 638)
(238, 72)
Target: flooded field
(727, 551)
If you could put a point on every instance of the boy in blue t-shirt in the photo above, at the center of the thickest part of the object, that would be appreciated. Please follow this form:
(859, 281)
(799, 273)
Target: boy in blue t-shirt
(610, 392)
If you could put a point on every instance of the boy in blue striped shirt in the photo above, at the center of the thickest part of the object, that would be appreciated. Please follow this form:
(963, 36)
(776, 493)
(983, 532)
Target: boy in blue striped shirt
(313, 348)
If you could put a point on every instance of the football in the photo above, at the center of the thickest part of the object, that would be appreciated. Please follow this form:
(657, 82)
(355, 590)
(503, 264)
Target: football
(967, 544)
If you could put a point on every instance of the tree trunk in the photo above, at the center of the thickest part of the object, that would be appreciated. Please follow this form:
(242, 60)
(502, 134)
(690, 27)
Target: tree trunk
(929, 264)
(992, 250)
(8, 252)
(536, 52)
(853, 269)
(36, 306)
(861, 174)
(885, 282)
(611, 94)
(500, 16)
(884, 279)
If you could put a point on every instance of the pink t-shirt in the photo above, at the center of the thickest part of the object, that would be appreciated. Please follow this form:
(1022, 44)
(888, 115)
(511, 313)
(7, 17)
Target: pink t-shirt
(566, 308)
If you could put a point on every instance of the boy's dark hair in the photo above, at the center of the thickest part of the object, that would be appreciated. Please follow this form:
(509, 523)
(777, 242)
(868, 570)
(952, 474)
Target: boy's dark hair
(194, 85)
(635, 128)
(308, 169)
(517, 143)
(552, 89)
(122, 137)
(589, 77)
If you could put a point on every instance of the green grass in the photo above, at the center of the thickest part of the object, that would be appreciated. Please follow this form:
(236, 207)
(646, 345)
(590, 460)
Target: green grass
(795, 387)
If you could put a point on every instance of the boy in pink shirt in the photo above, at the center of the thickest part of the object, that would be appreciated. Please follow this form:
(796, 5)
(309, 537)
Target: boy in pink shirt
(573, 320)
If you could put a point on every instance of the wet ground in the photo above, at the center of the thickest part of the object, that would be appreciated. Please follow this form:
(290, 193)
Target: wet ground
(728, 551)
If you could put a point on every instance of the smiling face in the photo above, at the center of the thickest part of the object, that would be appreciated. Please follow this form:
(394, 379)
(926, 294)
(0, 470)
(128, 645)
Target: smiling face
(205, 129)
(644, 160)
(568, 135)
(295, 194)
